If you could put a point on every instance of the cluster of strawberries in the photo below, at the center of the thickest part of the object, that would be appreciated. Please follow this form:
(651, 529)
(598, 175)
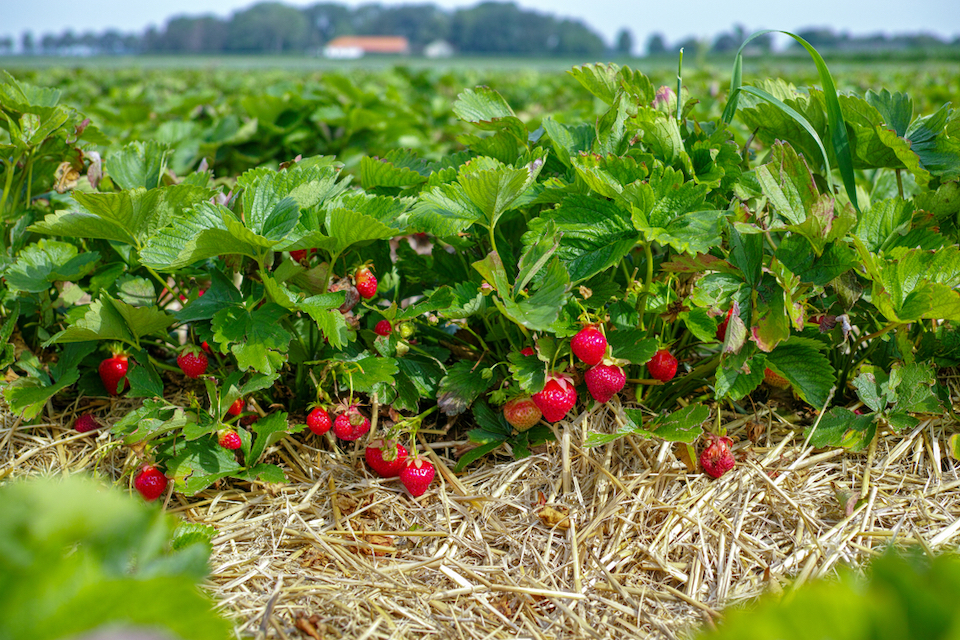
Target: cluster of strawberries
(604, 379)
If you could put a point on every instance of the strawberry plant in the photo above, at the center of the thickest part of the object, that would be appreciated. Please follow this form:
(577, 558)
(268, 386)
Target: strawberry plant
(543, 262)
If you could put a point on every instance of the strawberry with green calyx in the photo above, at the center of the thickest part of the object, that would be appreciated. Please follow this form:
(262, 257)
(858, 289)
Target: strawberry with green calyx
(229, 439)
(663, 365)
(192, 361)
(350, 424)
(604, 381)
(522, 412)
(717, 458)
(406, 330)
(386, 457)
(113, 373)
(365, 282)
(150, 482)
(557, 397)
(318, 420)
(417, 474)
(589, 344)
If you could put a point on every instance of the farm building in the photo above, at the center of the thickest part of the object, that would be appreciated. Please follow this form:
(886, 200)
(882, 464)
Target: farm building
(351, 47)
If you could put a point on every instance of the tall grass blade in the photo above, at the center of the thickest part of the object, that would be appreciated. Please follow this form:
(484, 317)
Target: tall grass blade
(835, 121)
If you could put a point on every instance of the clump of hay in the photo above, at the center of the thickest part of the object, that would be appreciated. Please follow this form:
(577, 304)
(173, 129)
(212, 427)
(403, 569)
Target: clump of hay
(622, 540)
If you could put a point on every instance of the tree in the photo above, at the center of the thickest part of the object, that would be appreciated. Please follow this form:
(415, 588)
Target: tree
(268, 27)
(656, 45)
(26, 42)
(624, 42)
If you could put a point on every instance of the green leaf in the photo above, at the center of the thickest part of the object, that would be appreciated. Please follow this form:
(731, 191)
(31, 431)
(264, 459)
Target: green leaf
(130, 217)
(602, 80)
(202, 232)
(529, 371)
(805, 367)
(684, 425)
(269, 431)
(42, 263)
(915, 384)
(841, 427)
(596, 234)
(541, 310)
(694, 232)
(220, 295)
(255, 338)
(568, 140)
(445, 210)
(190, 533)
(369, 372)
(631, 345)
(461, 386)
(195, 465)
(873, 389)
(487, 109)
(110, 319)
(325, 311)
(74, 551)
(400, 168)
(739, 374)
(919, 284)
(138, 164)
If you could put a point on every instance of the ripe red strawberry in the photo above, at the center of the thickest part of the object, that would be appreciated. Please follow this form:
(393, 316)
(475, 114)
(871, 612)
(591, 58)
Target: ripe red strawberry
(113, 370)
(86, 423)
(557, 398)
(377, 454)
(662, 366)
(383, 328)
(416, 475)
(522, 412)
(229, 439)
(300, 254)
(589, 345)
(351, 424)
(716, 459)
(722, 327)
(237, 407)
(527, 351)
(366, 282)
(318, 421)
(774, 379)
(604, 381)
(205, 347)
(193, 362)
(150, 482)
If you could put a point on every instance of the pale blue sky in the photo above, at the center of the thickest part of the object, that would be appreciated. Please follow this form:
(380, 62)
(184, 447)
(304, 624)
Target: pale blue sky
(675, 20)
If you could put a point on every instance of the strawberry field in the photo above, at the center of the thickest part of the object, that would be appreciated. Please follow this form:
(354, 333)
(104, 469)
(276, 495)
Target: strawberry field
(466, 354)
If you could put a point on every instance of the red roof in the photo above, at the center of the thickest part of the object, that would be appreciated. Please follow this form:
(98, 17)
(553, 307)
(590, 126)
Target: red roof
(373, 44)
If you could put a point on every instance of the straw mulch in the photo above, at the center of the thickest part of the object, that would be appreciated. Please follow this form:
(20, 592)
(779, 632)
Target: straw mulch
(647, 548)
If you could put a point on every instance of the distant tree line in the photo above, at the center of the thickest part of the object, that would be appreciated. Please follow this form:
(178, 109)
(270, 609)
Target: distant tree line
(494, 28)
(824, 39)
(273, 27)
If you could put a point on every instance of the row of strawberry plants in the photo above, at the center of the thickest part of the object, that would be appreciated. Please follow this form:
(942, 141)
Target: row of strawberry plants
(535, 270)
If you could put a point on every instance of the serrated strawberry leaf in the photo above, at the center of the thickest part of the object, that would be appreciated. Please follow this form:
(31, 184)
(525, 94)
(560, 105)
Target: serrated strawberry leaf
(195, 465)
(203, 231)
(631, 345)
(529, 371)
(144, 380)
(739, 374)
(805, 367)
(111, 319)
(27, 396)
(269, 431)
(367, 372)
(255, 338)
(684, 425)
(596, 234)
(919, 284)
(400, 168)
(42, 263)
(263, 472)
(138, 164)
(568, 141)
(486, 109)
(841, 427)
(440, 299)
(874, 390)
(220, 295)
(132, 216)
(324, 309)
(461, 386)
(915, 384)
(540, 310)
